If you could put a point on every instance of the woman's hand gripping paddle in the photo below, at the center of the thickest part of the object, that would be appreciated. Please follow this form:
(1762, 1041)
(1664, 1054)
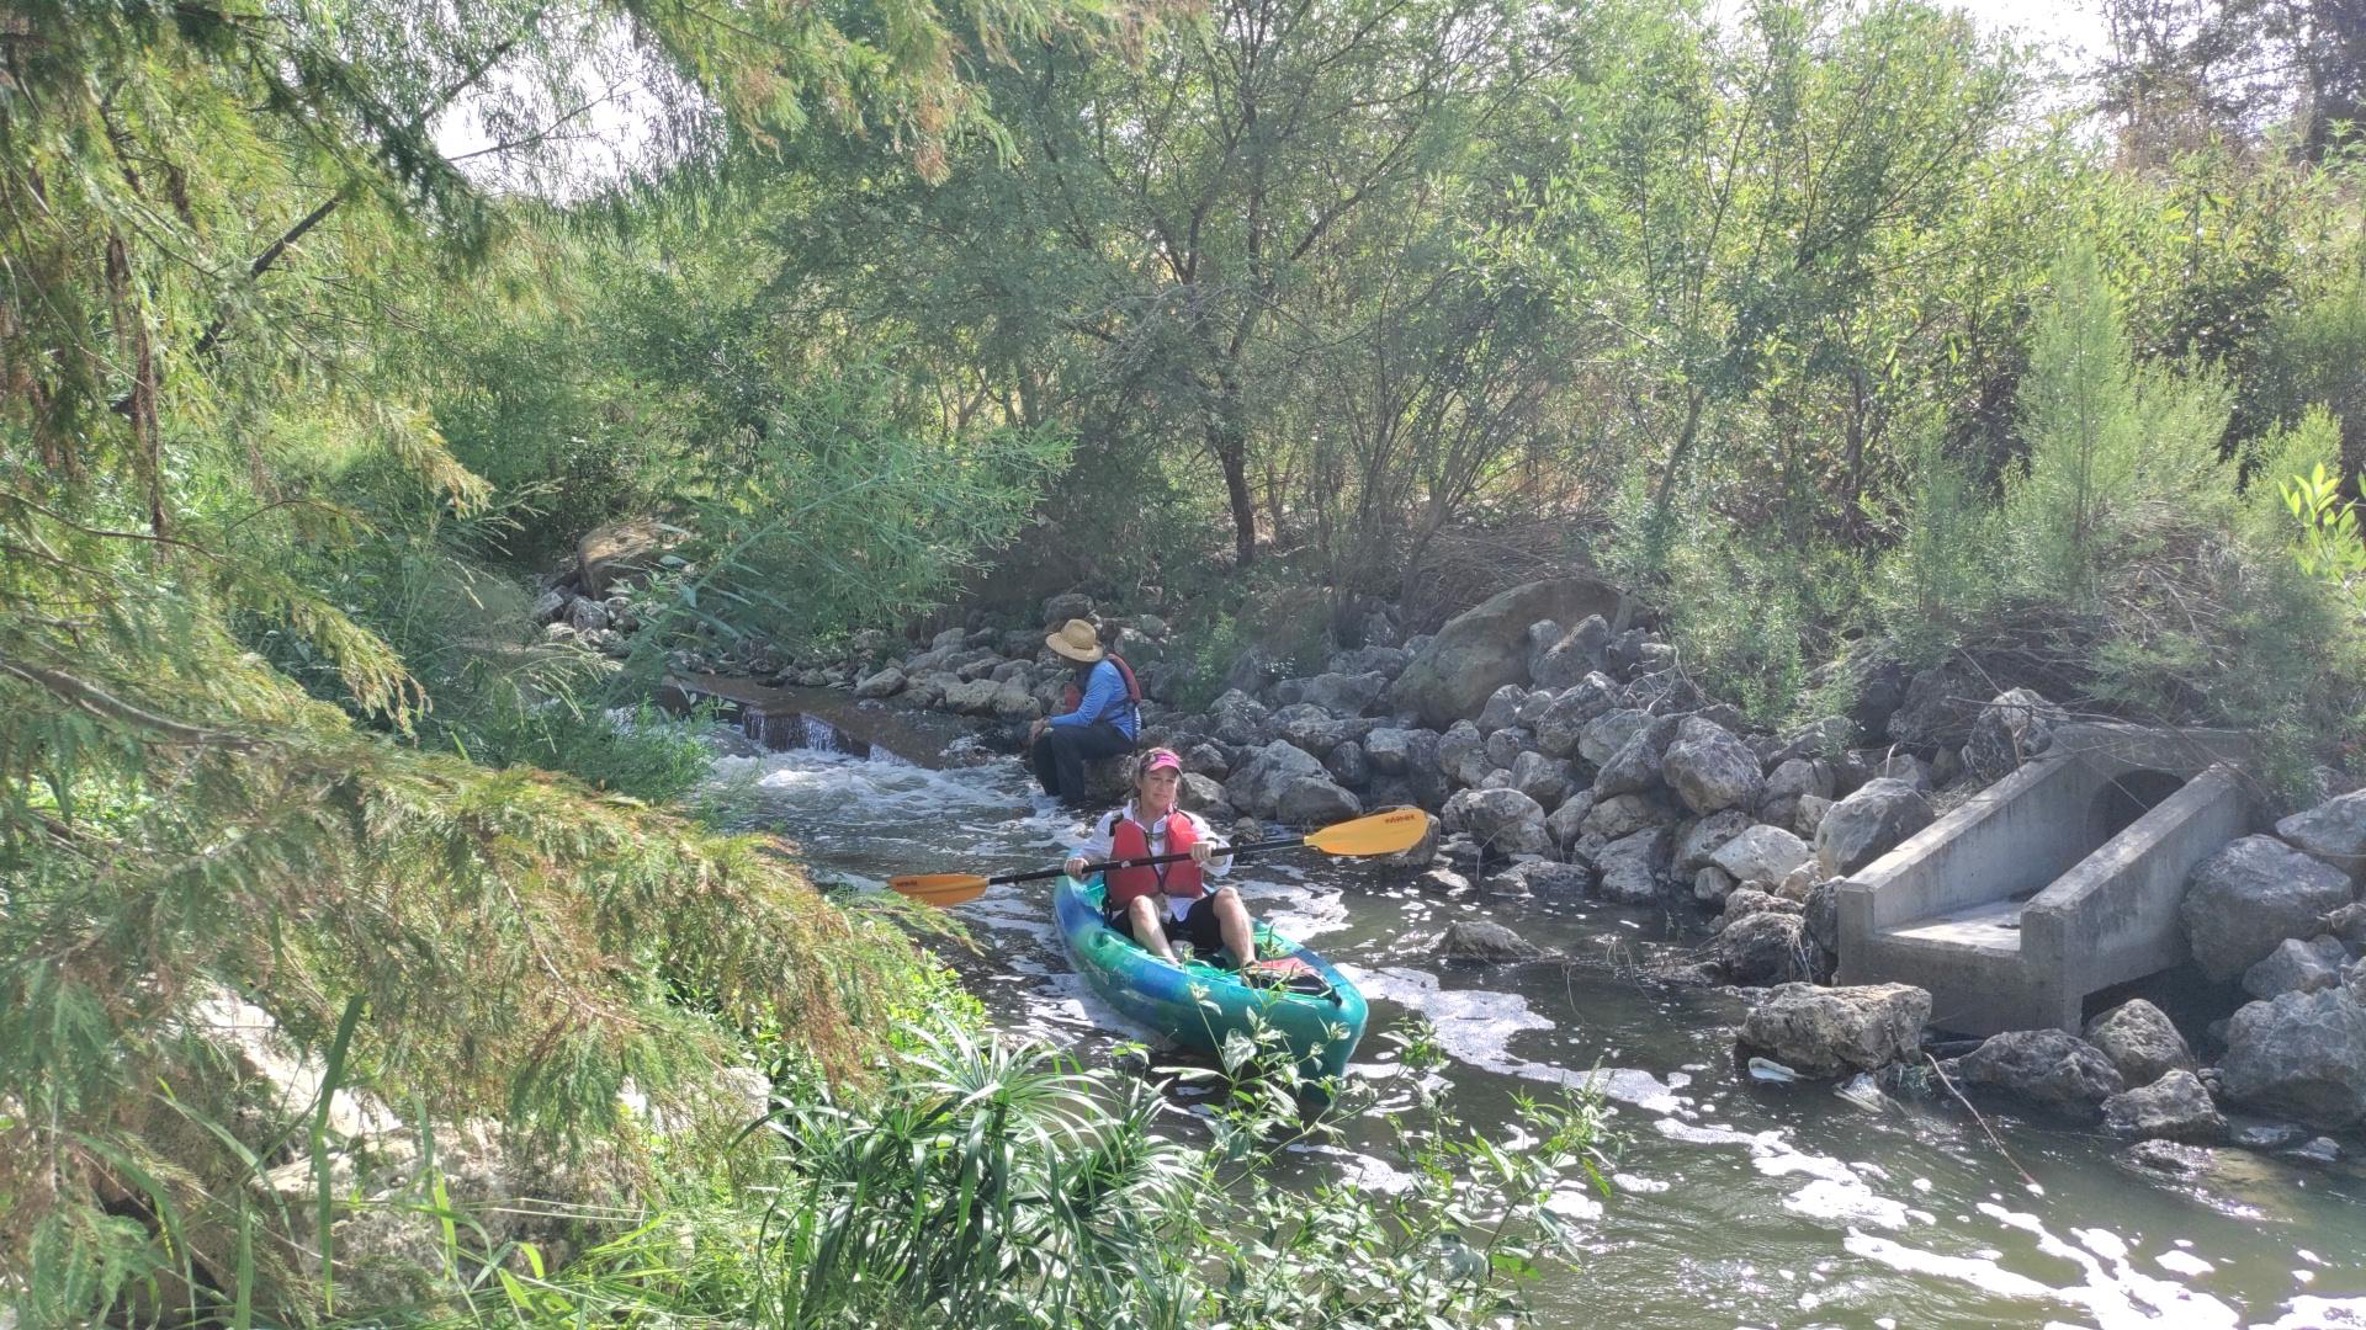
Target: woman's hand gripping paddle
(1392, 832)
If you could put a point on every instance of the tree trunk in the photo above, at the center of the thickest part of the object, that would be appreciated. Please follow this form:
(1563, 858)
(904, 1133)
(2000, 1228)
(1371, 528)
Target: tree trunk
(1231, 447)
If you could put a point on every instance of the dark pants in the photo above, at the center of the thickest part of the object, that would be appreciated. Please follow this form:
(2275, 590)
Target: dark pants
(1063, 750)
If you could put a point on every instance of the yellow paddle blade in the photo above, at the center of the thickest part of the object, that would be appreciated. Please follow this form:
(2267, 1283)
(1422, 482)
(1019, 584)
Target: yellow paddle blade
(1391, 832)
(939, 889)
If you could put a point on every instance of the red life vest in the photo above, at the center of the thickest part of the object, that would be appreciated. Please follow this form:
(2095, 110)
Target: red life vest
(1129, 839)
(1072, 696)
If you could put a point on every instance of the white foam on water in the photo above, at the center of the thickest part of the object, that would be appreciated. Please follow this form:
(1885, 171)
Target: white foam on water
(2306, 1313)
(2184, 1263)
(1847, 1204)
(1475, 1026)
(1573, 1201)
(2108, 1288)
(1634, 1184)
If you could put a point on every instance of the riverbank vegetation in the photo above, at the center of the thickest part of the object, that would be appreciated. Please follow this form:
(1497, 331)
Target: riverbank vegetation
(1839, 331)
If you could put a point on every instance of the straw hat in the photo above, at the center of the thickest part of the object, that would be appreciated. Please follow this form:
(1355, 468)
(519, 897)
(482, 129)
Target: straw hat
(1077, 641)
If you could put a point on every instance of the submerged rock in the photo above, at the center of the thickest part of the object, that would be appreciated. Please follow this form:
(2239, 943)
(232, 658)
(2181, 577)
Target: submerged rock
(1486, 941)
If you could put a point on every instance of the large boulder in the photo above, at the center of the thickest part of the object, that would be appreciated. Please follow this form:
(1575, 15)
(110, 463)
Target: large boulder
(1636, 765)
(1502, 709)
(1544, 779)
(1623, 815)
(2046, 1067)
(2251, 895)
(1762, 950)
(1940, 705)
(2302, 1055)
(1257, 785)
(1562, 722)
(623, 553)
(2333, 832)
(1793, 779)
(1314, 801)
(1698, 839)
(2176, 1107)
(1601, 738)
(2141, 1041)
(1633, 869)
(1571, 656)
(2297, 967)
(1338, 694)
(1869, 824)
(1829, 1031)
(1484, 648)
(1504, 822)
(1462, 754)
(2009, 731)
(1761, 854)
(1566, 823)
(1392, 751)
(1710, 769)
(1239, 719)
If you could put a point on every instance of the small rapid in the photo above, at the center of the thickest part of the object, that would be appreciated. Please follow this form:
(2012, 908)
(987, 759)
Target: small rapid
(1737, 1203)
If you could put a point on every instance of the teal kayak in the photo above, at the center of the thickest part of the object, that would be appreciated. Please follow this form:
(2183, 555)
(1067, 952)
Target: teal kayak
(1197, 1004)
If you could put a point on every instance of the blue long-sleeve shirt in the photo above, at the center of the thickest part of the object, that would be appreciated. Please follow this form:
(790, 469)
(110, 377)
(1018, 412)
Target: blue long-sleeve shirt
(1104, 699)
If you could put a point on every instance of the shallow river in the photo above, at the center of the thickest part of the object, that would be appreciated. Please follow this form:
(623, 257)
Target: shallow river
(1738, 1203)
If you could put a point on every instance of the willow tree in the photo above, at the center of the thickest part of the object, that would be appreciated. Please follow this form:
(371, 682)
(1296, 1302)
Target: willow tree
(212, 212)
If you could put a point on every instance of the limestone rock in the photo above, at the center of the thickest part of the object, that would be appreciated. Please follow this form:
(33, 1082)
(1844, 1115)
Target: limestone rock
(1543, 877)
(1571, 656)
(1314, 801)
(1240, 720)
(1504, 747)
(1711, 885)
(2175, 1108)
(2017, 726)
(1502, 708)
(1563, 722)
(1634, 867)
(1710, 769)
(2250, 896)
(1485, 648)
(1462, 754)
(1200, 793)
(1505, 822)
(1702, 837)
(2297, 967)
(2045, 1067)
(1391, 751)
(1486, 941)
(1348, 765)
(2301, 1055)
(1809, 820)
(1778, 802)
(1762, 950)
(1832, 1031)
(1544, 779)
(1868, 824)
(1344, 695)
(1624, 815)
(1636, 765)
(1745, 901)
(1939, 707)
(623, 553)
(1566, 823)
(1604, 735)
(1761, 854)
(2333, 832)
(2141, 1041)
(1257, 787)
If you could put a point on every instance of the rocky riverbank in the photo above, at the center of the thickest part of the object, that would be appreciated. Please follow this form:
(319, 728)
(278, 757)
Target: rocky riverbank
(1563, 755)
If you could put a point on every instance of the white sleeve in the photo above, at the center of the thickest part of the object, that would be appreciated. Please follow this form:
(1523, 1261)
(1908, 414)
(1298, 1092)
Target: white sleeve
(1102, 843)
(1220, 864)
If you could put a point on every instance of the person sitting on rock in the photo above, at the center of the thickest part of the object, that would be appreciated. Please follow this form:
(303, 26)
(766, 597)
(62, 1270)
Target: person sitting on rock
(1148, 902)
(1102, 721)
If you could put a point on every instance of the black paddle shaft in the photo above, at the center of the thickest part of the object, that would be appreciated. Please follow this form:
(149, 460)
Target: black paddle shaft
(1236, 851)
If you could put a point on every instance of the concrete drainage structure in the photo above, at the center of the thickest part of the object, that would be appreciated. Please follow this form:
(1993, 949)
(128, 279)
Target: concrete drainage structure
(2060, 880)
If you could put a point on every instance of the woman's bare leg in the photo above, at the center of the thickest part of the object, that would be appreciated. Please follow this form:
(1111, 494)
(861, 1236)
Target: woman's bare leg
(1149, 929)
(1232, 918)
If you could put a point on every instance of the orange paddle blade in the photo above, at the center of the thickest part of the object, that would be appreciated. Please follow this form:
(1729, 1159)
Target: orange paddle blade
(1392, 832)
(939, 889)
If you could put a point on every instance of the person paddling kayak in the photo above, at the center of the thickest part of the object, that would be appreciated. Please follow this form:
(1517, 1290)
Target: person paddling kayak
(1101, 720)
(1150, 902)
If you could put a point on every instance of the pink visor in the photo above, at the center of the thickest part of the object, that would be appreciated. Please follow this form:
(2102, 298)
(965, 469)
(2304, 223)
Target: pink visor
(1162, 759)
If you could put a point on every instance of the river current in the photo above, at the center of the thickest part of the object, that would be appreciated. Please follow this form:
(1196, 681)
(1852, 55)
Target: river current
(1737, 1202)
